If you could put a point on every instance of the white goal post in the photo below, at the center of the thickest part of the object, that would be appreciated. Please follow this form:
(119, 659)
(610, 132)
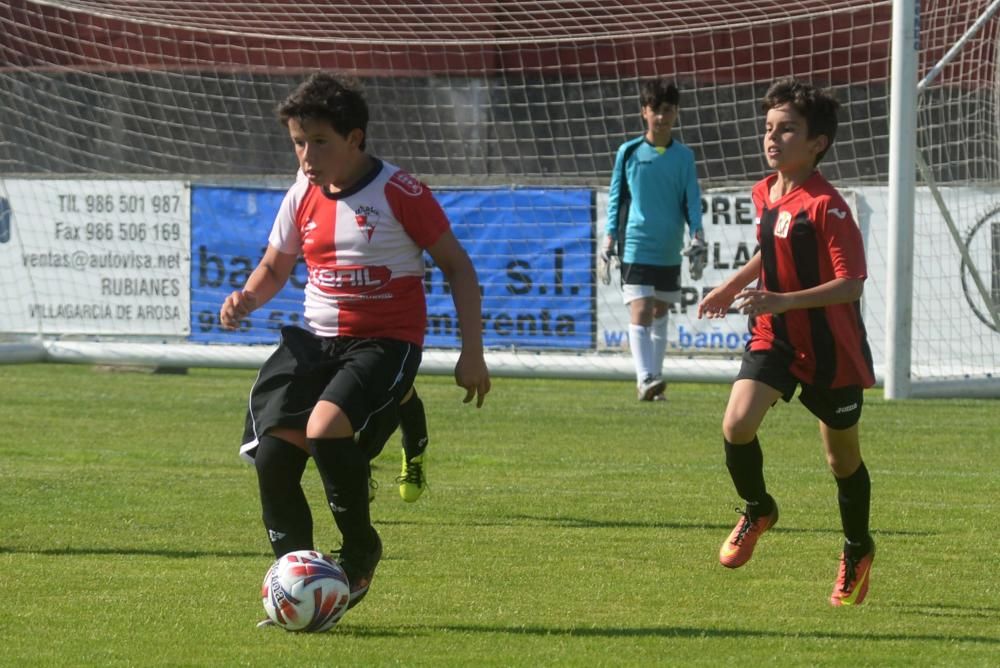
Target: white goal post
(141, 163)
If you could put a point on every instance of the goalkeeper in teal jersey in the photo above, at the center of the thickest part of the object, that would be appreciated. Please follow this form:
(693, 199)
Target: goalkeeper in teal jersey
(654, 192)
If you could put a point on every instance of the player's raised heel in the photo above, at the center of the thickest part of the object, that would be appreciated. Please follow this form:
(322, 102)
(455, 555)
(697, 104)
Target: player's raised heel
(738, 546)
(853, 576)
(413, 477)
(359, 566)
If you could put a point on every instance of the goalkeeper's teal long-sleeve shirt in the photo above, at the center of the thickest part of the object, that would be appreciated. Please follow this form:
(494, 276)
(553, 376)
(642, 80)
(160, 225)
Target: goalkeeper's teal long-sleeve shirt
(660, 189)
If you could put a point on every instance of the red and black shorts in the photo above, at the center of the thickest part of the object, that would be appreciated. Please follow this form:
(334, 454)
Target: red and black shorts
(838, 408)
(366, 378)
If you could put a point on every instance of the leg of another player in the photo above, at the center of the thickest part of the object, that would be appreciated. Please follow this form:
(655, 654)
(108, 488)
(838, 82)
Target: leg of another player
(641, 342)
(372, 440)
(843, 454)
(658, 332)
(413, 425)
(749, 402)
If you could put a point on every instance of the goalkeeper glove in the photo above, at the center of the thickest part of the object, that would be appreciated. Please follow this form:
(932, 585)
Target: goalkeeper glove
(697, 254)
(606, 259)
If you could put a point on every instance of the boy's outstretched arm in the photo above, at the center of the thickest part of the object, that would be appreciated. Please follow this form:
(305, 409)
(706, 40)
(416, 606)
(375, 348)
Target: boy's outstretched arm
(470, 371)
(264, 282)
(716, 303)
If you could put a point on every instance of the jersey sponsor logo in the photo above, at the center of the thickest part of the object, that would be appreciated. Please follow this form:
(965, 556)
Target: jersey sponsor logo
(349, 276)
(784, 222)
(367, 218)
(309, 227)
(838, 213)
(407, 183)
(846, 409)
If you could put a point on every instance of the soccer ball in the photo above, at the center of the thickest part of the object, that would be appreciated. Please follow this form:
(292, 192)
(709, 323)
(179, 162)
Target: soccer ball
(305, 591)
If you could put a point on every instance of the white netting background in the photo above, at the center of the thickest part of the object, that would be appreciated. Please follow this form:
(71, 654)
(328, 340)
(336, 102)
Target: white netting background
(498, 94)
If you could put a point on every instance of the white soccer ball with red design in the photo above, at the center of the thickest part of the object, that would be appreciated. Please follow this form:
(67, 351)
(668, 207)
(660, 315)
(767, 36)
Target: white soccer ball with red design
(305, 591)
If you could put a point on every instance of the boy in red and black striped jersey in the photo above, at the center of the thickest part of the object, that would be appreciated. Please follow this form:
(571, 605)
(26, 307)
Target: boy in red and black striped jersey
(806, 328)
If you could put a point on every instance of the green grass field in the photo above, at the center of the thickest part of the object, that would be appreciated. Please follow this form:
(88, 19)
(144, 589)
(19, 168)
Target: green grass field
(566, 524)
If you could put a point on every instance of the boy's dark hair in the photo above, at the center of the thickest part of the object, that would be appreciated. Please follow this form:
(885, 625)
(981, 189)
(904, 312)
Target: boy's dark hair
(655, 92)
(326, 97)
(816, 105)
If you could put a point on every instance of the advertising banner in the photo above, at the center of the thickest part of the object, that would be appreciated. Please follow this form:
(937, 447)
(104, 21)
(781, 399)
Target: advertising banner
(532, 249)
(229, 230)
(99, 257)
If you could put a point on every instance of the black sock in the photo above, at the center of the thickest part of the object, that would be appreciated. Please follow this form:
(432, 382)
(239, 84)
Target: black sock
(854, 494)
(746, 468)
(286, 513)
(413, 423)
(343, 466)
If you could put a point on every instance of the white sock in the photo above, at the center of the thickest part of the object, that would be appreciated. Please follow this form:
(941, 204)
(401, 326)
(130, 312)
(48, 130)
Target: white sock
(641, 342)
(658, 334)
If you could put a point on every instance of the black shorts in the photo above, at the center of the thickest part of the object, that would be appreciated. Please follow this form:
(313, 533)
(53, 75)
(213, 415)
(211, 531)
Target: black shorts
(663, 279)
(380, 427)
(366, 378)
(837, 408)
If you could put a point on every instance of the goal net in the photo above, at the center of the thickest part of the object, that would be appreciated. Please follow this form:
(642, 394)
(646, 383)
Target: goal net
(141, 164)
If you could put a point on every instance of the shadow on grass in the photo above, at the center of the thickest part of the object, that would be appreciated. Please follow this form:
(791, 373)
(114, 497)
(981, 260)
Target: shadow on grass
(588, 523)
(947, 610)
(128, 551)
(660, 632)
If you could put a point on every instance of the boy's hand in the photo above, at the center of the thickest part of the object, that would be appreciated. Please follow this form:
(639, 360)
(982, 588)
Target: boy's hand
(697, 254)
(471, 373)
(715, 304)
(759, 302)
(606, 259)
(238, 305)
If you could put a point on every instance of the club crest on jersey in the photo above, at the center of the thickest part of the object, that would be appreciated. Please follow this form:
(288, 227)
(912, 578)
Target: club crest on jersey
(307, 231)
(784, 222)
(367, 218)
(407, 183)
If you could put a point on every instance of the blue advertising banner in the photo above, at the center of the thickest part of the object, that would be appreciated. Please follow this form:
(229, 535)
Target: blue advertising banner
(532, 249)
(229, 230)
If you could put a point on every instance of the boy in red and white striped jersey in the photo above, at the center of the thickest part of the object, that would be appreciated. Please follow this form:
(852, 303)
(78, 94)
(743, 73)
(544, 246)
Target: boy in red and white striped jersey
(362, 225)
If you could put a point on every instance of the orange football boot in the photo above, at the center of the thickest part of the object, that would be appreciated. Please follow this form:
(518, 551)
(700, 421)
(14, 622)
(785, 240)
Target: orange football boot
(738, 547)
(851, 586)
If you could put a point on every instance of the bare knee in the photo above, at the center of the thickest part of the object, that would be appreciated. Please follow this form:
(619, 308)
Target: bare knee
(328, 421)
(641, 312)
(739, 428)
(296, 437)
(842, 448)
(749, 401)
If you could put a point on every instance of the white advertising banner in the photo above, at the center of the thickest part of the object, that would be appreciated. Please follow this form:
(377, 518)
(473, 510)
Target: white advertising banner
(105, 257)
(953, 330)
